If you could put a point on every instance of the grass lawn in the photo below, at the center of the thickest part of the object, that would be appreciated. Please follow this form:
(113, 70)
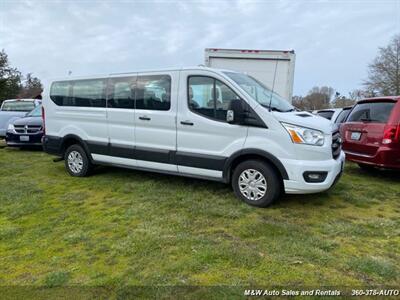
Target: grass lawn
(124, 227)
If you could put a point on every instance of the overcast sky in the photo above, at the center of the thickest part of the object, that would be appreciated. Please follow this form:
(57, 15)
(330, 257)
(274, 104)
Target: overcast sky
(334, 40)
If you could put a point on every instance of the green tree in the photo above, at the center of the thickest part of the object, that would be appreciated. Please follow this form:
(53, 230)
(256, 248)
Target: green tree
(384, 72)
(10, 79)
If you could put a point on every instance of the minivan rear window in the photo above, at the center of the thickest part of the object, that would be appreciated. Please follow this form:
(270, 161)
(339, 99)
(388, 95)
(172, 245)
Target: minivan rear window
(377, 112)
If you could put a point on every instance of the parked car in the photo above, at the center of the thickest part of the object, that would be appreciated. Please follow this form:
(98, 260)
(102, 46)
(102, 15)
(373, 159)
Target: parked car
(335, 115)
(26, 131)
(342, 116)
(330, 113)
(196, 122)
(371, 133)
(13, 109)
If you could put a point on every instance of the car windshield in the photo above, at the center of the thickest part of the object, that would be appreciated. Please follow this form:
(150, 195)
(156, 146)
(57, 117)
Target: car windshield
(18, 106)
(260, 92)
(37, 112)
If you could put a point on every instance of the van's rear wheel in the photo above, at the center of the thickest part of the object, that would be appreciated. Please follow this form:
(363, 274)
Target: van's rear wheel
(256, 183)
(77, 161)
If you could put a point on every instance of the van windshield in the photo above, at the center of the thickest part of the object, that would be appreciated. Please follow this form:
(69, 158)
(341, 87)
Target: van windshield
(260, 92)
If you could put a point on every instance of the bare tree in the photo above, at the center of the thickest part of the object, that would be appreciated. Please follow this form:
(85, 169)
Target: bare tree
(317, 98)
(342, 101)
(298, 102)
(384, 72)
(31, 87)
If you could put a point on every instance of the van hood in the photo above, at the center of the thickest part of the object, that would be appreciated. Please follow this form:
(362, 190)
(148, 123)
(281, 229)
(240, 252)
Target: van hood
(305, 119)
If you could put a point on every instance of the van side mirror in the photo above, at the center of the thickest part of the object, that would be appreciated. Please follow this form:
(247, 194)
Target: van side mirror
(230, 116)
(236, 112)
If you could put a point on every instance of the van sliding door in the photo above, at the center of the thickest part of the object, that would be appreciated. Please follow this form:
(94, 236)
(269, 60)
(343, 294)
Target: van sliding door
(121, 119)
(155, 124)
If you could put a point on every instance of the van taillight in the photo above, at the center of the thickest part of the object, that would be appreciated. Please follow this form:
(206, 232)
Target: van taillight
(391, 134)
(44, 124)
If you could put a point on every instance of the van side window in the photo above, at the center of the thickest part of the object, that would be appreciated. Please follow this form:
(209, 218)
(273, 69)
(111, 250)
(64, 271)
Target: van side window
(122, 93)
(210, 97)
(59, 93)
(89, 93)
(201, 99)
(153, 92)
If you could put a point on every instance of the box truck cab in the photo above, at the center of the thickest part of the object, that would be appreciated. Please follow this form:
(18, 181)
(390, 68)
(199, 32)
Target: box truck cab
(199, 122)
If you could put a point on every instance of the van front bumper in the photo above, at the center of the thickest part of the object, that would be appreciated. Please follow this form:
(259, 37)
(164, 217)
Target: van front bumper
(296, 168)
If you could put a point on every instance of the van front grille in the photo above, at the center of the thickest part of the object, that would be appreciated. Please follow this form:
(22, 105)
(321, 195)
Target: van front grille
(26, 129)
(336, 144)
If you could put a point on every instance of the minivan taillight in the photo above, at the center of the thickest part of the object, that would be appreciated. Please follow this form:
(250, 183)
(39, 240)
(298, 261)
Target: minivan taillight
(44, 125)
(391, 134)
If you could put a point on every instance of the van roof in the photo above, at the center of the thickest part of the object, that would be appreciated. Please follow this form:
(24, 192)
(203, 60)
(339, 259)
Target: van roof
(144, 71)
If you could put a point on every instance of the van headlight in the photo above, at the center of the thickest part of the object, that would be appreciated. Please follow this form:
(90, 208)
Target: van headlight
(10, 127)
(303, 135)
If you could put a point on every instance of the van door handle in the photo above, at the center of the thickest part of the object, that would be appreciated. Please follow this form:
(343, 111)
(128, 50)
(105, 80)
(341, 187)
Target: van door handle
(144, 118)
(187, 123)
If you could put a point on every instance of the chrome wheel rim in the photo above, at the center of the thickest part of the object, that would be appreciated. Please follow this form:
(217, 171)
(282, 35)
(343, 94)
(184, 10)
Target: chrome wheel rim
(75, 162)
(252, 184)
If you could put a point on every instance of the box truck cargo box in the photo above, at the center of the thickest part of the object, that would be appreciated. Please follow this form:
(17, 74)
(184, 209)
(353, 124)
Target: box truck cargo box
(274, 68)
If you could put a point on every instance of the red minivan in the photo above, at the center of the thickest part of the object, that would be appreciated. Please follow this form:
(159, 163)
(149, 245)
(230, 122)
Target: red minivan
(371, 134)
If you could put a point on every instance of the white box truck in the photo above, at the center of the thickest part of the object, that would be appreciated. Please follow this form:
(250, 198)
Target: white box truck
(274, 68)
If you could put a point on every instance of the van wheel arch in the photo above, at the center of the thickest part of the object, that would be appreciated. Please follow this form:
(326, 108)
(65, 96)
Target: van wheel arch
(253, 154)
(256, 182)
(70, 140)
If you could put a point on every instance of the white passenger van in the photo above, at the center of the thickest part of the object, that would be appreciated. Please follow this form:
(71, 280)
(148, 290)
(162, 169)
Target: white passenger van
(198, 122)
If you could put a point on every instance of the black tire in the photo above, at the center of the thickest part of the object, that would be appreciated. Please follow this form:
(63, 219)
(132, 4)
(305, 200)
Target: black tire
(86, 165)
(272, 179)
(367, 168)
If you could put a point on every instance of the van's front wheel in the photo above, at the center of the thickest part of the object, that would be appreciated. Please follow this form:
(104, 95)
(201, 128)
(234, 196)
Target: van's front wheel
(256, 183)
(77, 161)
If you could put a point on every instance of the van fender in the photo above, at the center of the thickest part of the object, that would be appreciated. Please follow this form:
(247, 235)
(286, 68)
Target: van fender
(272, 159)
(84, 144)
